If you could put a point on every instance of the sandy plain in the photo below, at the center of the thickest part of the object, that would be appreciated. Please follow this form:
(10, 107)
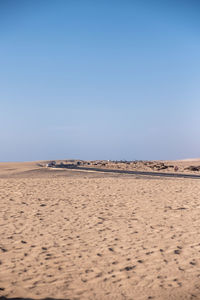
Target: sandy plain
(85, 235)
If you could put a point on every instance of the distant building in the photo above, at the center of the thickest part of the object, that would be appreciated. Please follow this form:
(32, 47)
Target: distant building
(51, 164)
(48, 165)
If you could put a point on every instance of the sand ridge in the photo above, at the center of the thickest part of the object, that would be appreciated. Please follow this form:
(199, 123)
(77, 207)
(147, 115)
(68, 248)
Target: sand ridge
(87, 236)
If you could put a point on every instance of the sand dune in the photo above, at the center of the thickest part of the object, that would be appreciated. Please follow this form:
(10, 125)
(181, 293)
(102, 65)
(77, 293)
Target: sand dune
(78, 235)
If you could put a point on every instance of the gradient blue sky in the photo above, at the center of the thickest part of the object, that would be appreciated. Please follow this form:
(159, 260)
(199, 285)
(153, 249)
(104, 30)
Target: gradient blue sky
(99, 79)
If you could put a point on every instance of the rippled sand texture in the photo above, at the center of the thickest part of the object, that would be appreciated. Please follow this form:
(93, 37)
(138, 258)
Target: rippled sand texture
(90, 237)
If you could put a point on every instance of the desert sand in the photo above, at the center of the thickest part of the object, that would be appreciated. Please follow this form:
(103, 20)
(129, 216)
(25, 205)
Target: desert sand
(86, 235)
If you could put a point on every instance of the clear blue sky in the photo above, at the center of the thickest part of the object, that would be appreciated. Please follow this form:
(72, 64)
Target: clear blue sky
(99, 79)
